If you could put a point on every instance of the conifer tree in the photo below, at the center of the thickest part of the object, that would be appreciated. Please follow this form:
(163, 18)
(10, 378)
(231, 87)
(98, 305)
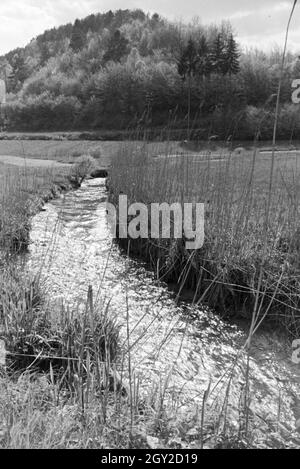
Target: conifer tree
(187, 64)
(18, 73)
(77, 38)
(44, 53)
(117, 47)
(204, 65)
(219, 55)
(232, 56)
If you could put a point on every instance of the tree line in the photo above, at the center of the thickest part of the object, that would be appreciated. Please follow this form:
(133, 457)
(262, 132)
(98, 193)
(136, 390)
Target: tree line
(127, 70)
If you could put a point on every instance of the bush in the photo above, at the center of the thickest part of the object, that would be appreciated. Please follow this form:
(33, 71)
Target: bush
(42, 112)
(82, 168)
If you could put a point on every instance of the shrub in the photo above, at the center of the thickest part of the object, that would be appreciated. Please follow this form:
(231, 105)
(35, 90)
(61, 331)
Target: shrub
(82, 168)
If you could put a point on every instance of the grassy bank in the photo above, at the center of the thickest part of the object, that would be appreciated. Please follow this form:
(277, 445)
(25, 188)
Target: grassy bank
(65, 381)
(56, 364)
(250, 258)
(22, 192)
(68, 381)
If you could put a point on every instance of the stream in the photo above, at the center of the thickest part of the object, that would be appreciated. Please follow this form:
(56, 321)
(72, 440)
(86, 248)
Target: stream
(177, 350)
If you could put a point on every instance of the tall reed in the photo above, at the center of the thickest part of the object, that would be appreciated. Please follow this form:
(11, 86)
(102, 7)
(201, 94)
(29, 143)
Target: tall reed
(234, 188)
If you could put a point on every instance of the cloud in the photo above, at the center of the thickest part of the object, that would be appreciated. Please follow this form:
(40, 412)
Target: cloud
(256, 23)
(265, 27)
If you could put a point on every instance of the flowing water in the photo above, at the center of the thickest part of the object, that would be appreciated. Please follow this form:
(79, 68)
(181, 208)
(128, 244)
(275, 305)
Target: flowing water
(177, 351)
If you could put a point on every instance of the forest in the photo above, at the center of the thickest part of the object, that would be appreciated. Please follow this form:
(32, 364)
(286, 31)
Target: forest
(128, 70)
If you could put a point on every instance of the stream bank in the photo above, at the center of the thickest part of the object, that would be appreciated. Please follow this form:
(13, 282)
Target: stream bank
(181, 359)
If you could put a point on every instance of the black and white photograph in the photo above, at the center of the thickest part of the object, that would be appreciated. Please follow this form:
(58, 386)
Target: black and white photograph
(149, 227)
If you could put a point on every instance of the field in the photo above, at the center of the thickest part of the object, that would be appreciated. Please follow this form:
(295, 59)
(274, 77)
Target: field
(249, 262)
(67, 151)
(248, 268)
(252, 202)
(64, 377)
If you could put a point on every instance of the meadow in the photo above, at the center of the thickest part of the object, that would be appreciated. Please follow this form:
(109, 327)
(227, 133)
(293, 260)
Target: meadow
(67, 151)
(249, 263)
(251, 199)
(65, 379)
(67, 382)
(251, 217)
(63, 374)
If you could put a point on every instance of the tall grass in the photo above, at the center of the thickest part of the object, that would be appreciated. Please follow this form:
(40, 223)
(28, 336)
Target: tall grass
(22, 192)
(235, 188)
(61, 366)
(68, 383)
(250, 259)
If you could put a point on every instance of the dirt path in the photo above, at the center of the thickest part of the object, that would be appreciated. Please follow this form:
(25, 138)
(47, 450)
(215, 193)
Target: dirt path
(30, 162)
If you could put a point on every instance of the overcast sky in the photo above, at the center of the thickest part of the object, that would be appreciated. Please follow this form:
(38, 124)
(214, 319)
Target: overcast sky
(257, 22)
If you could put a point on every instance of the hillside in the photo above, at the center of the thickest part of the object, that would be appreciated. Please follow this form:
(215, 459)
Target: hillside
(127, 69)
